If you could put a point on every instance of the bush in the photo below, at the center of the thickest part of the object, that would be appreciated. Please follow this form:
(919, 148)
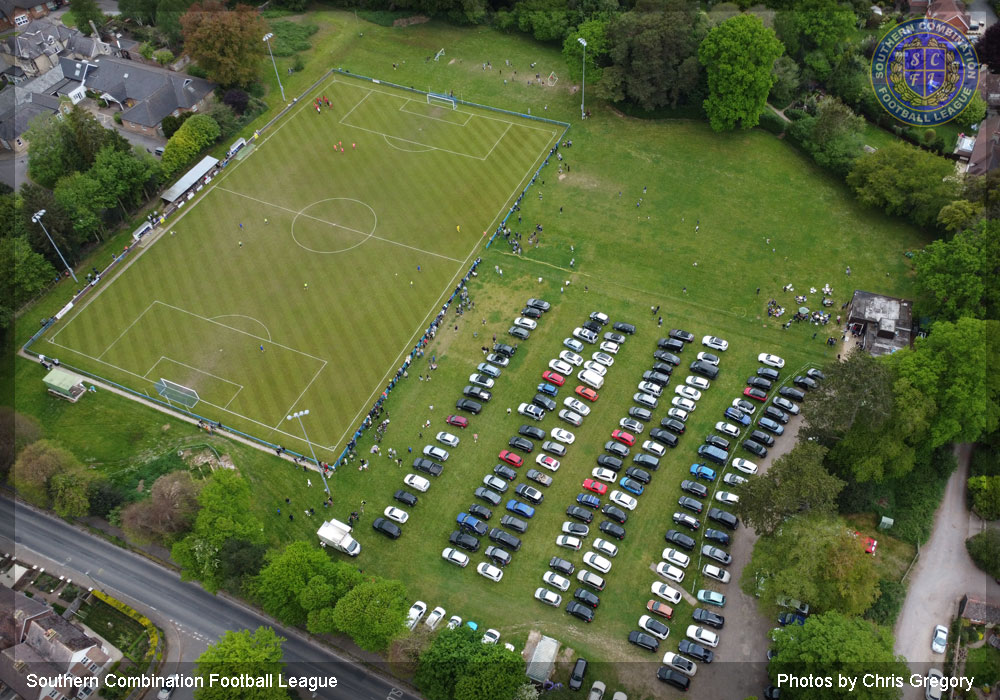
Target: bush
(197, 71)
(236, 99)
(383, 18)
(769, 121)
(146, 51)
(171, 124)
(985, 461)
(886, 607)
(299, 64)
(118, 117)
(984, 492)
(984, 663)
(291, 37)
(796, 114)
(984, 549)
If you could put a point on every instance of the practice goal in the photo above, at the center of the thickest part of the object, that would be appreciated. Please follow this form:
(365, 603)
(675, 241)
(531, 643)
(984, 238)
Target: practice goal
(441, 100)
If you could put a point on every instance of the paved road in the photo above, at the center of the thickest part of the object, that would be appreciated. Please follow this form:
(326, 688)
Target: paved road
(942, 575)
(186, 606)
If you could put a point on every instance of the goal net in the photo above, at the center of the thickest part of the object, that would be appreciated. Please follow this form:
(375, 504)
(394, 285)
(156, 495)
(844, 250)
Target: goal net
(177, 393)
(441, 100)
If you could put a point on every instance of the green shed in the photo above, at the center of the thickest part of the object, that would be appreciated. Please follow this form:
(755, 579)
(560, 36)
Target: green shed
(64, 384)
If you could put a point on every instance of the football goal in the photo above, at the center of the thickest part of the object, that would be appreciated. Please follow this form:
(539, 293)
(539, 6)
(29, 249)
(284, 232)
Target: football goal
(441, 100)
(177, 393)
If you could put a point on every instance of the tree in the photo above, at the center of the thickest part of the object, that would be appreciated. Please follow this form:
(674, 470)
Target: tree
(123, 175)
(988, 48)
(169, 510)
(171, 124)
(142, 11)
(239, 560)
(958, 277)
(984, 549)
(904, 180)
(255, 654)
(973, 113)
(832, 644)
(373, 613)
(60, 226)
(31, 272)
(458, 666)
(226, 43)
(786, 81)
(222, 115)
(985, 493)
(236, 99)
(51, 150)
(197, 133)
(833, 137)
(739, 57)
(70, 491)
(89, 137)
(84, 199)
(34, 468)
(85, 12)
(796, 483)
(959, 215)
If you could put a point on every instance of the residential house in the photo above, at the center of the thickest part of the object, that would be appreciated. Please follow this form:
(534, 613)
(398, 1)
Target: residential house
(979, 611)
(16, 119)
(989, 88)
(37, 47)
(985, 154)
(951, 11)
(17, 13)
(882, 324)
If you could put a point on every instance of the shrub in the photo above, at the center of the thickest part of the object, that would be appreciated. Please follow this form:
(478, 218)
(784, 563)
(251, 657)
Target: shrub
(171, 124)
(795, 114)
(886, 607)
(164, 56)
(984, 549)
(291, 37)
(197, 71)
(769, 121)
(985, 461)
(237, 99)
(929, 135)
(984, 663)
(299, 64)
(383, 18)
(985, 494)
(118, 117)
(146, 51)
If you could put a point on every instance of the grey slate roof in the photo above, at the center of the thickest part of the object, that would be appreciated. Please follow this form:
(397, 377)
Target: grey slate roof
(16, 119)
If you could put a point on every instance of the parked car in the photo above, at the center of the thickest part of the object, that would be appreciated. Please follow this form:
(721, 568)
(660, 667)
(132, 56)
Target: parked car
(646, 461)
(513, 523)
(473, 407)
(544, 402)
(589, 578)
(700, 471)
(561, 566)
(693, 487)
(654, 627)
(505, 538)
(498, 556)
(481, 380)
(415, 614)
(719, 555)
(575, 529)
(686, 646)
(714, 343)
(786, 405)
(672, 678)
(457, 421)
(669, 572)
(744, 465)
(489, 370)
(623, 500)
(754, 448)
(453, 556)
(490, 572)
(640, 475)
(807, 383)
(519, 333)
(612, 530)
(405, 497)
(605, 547)
(643, 641)
(416, 482)
(520, 509)
(680, 539)
(723, 517)
(435, 452)
(668, 593)
(586, 392)
(576, 406)
(497, 359)
(427, 466)
(790, 393)
(387, 528)
(488, 495)
(584, 613)
(573, 344)
(714, 572)
(711, 598)
(529, 493)
(705, 369)
(733, 479)
(571, 417)
(396, 514)
(727, 428)
(553, 377)
(556, 581)
(770, 360)
(464, 540)
(548, 597)
(776, 414)
(663, 356)
(658, 608)
(686, 520)
(511, 458)
(538, 477)
(615, 513)
(713, 535)
(569, 542)
(709, 618)
(755, 394)
(597, 562)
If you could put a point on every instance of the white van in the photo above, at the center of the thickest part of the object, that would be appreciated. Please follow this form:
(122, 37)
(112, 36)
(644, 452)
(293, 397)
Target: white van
(591, 379)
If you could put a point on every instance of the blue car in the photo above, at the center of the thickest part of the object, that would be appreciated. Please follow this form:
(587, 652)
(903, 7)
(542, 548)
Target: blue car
(472, 625)
(547, 389)
(468, 522)
(700, 471)
(589, 500)
(631, 485)
(737, 415)
(522, 509)
(791, 618)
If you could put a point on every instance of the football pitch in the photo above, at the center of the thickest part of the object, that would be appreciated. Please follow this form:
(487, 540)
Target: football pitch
(304, 276)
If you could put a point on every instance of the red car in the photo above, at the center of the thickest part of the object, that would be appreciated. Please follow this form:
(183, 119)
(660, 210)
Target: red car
(661, 609)
(586, 392)
(457, 421)
(870, 543)
(755, 393)
(598, 487)
(553, 377)
(511, 458)
(623, 437)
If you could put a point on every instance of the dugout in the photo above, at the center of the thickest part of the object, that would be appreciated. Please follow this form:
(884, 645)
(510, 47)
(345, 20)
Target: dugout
(189, 179)
(543, 660)
(64, 384)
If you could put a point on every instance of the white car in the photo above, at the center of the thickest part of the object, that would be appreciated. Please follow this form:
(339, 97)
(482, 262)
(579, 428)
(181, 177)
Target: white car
(604, 358)
(709, 358)
(940, 639)
(623, 500)
(447, 439)
(604, 474)
(597, 562)
(727, 429)
(576, 405)
(697, 382)
(435, 452)
(556, 581)
(650, 388)
(662, 590)
(525, 323)
(489, 571)
(570, 527)
(671, 573)
(684, 404)
(548, 597)
(631, 425)
(510, 647)
(710, 341)
(563, 436)
(713, 571)
(656, 629)
(605, 547)
(416, 614)
(597, 691)
(733, 480)
(770, 360)
(744, 405)
(417, 482)
(172, 683)
(481, 380)
(587, 336)
(434, 619)
(609, 347)
(674, 557)
(703, 636)
(571, 357)
(688, 392)
(531, 411)
(569, 542)
(563, 368)
(678, 413)
(453, 556)
(397, 514)
(932, 689)
(680, 663)
(730, 499)
(595, 367)
(744, 465)
(491, 636)
(550, 463)
(654, 448)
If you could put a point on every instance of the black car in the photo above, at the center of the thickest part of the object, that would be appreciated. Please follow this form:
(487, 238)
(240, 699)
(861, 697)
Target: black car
(755, 448)
(514, 523)
(612, 530)
(786, 405)
(776, 414)
(816, 374)
(530, 431)
(678, 334)
(480, 511)
(679, 539)
(663, 368)
(578, 672)
(664, 437)
(576, 529)
(646, 461)
(690, 504)
(770, 426)
(772, 693)
(592, 325)
(538, 477)
(670, 344)
(584, 613)
(485, 494)
(694, 487)
(520, 443)
(674, 678)
(643, 640)
(626, 328)
(561, 566)
(656, 377)
(529, 493)
(616, 448)
(477, 392)
(543, 401)
(529, 312)
(640, 414)
(712, 453)
(609, 462)
(686, 520)
(790, 393)
(673, 424)
(464, 540)
(761, 437)
(768, 373)
(759, 383)
(405, 497)
(615, 513)
(716, 441)
(705, 369)
(664, 356)
(469, 406)
(427, 466)
(599, 317)
(640, 475)
(806, 383)
(709, 618)
(723, 517)
(580, 513)
(614, 337)
(505, 472)
(387, 528)
(519, 333)
(586, 597)
(695, 651)
(717, 536)
(504, 349)
(505, 538)
(539, 304)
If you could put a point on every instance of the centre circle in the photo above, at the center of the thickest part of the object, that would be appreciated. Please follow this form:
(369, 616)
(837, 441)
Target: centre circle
(334, 225)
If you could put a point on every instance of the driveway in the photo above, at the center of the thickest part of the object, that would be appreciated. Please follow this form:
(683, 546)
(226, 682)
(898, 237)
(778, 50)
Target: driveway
(981, 11)
(942, 575)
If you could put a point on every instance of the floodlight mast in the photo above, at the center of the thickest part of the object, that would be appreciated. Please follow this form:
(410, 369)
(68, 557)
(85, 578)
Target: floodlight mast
(299, 414)
(267, 40)
(36, 218)
(583, 90)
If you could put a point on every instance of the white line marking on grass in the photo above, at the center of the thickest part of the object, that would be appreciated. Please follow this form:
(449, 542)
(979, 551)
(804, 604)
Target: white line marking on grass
(234, 398)
(490, 152)
(201, 371)
(127, 329)
(245, 316)
(415, 143)
(402, 108)
(299, 397)
(389, 143)
(367, 95)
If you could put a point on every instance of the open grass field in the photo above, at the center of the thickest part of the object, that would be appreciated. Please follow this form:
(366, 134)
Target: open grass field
(765, 215)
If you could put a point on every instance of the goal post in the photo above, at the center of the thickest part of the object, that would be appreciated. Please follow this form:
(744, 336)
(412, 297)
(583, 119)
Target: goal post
(434, 98)
(177, 393)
